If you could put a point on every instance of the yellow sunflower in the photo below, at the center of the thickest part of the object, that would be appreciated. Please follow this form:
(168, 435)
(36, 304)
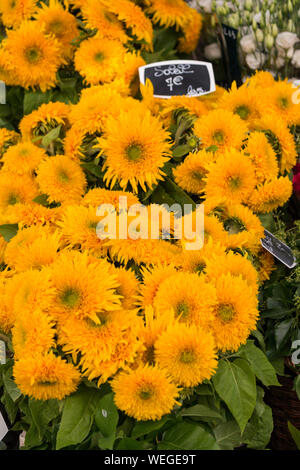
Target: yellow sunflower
(189, 295)
(262, 156)
(36, 56)
(170, 13)
(134, 18)
(84, 287)
(61, 178)
(7, 138)
(191, 173)
(7, 314)
(78, 228)
(221, 128)
(42, 120)
(278, 99)
(145, 393)
(271, 194)
(187, 353)
(32, 247)
(242, 101)
(261, 79)
(150, 329)
(235, 314)
(16, 189)
(244, 229)
(60, 23)
(29, 214)
(3, 245)
(33, 333)
(195, 261)
(23, 158)
(98, 59)
(280, 138)
(97, 196)
(265, 264)
(232, 176)
(14, 12)
(234, 264)
(128, 286)
(190, 103)
(191, 33)
(32, 290)
(106, 22)
(135, 147)
(45, 377)
(152, 278)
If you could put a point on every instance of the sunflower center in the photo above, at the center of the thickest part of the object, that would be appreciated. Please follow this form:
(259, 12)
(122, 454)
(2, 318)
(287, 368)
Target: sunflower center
(146, 393)
(57, 28)
(63, 176)
(92, 225)
(134, 152)
(199, 268)
(70, 297)
(196, 175)
(103, 320)
(149, 354)
(99, 57)
(283, 102)
(218, 137)
(47, 383)
(13, 199)
(182, 309)
(234, 225)
(12, 4)
(226, 312)
(234, 182)
(33, 54)
(187, 356)
(243, 111)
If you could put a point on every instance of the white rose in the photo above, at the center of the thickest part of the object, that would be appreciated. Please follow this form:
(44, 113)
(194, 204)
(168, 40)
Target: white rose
(286, 40)
(213, 51)
(296, 59)
(206, 5)
(286, 53)
(254, 61)
(257, 17)
(248, 44)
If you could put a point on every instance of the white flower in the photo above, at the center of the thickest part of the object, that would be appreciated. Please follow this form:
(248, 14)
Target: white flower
(248, 44)
(213, 51)
(296, 59)
(254, 61)
(279, 62)
(205, 5)
(286, 40)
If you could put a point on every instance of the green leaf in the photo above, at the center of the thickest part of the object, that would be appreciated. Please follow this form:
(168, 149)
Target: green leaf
(34, 99)
(77, 417)
(106, 442)
(129, 444)
(180, 150)
(107, 416)
(282, 332)
(235, 384)
(295, 433)
(8, 231)
(91, 167)
(142, 428)
(11, 407)
(188, 436)
(51, 136)
(42, 413)
(200, 411)
(11, 387)
(228, 435)
(204, 389)
(259, 429)
(42, 199)
(259, 363)
(297, 386)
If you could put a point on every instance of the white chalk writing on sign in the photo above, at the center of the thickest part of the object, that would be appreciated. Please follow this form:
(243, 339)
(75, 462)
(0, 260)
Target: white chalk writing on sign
(173, 69)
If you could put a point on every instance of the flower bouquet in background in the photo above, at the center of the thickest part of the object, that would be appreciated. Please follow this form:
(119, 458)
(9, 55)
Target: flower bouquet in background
(268, 33)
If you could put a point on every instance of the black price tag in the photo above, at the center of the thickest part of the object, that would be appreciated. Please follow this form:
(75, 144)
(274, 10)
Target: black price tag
(179, 77)
(230, 35)
(278, 249)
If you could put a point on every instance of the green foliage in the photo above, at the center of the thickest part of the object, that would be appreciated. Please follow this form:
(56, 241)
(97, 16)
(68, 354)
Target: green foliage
(295, 433)
(8, 231)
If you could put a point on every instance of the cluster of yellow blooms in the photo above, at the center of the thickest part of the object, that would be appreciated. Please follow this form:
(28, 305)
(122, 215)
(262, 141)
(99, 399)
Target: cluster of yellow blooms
(148, 315)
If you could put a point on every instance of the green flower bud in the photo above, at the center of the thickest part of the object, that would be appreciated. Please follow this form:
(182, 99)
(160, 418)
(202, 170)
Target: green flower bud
(269, 42)
(290, 6)
(274, 30)
(248, 5)
(259, 35)
(254, 25)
